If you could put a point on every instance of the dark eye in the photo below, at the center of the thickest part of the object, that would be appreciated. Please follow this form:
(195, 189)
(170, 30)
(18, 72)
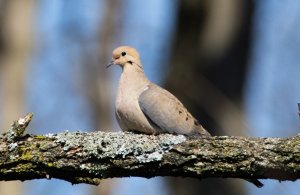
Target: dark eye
(123, 53)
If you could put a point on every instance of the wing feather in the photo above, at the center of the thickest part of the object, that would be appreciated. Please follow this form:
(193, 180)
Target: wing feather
(165, 110)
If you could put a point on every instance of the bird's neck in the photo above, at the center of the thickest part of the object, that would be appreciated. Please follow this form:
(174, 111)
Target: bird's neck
(133, 79)
(133, 72)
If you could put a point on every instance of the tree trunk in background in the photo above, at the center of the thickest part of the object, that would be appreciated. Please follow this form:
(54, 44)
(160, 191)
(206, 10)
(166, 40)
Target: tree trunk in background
(98, 78)
(208, 67)
(16, 44)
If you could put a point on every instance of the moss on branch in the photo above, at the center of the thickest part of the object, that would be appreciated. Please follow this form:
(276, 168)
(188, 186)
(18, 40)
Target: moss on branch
(89, 157)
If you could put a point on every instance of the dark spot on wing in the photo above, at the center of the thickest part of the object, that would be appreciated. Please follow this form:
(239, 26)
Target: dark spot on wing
(187, 118)
(196, 122)
(180, 111)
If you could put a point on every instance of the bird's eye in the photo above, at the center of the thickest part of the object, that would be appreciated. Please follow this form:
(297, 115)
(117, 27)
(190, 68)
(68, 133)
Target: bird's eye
(123, 53)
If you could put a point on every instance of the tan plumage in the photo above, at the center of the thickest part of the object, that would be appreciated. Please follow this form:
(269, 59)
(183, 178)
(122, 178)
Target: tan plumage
(145, 107)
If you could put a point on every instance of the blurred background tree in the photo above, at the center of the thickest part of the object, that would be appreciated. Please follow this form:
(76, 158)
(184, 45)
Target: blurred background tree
(232, 63)
(16, 40)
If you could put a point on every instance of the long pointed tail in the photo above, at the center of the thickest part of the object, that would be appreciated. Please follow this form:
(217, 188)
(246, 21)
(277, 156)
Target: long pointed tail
(201, 132)
(255, 182)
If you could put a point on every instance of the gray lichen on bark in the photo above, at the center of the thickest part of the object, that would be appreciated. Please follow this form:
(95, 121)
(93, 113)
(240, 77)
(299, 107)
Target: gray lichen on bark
(81, 157)
(110, 145)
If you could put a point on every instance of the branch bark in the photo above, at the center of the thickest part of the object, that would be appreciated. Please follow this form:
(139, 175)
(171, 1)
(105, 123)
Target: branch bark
(89, 157)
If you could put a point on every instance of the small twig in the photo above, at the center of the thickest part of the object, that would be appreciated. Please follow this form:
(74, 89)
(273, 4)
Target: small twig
(90, 157)
(299, 109)
(18, 127)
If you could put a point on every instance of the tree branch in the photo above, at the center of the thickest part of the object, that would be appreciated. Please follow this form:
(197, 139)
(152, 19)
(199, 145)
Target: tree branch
(89, 157)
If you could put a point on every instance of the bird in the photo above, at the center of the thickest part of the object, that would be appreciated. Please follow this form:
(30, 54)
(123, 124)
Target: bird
(144, 107)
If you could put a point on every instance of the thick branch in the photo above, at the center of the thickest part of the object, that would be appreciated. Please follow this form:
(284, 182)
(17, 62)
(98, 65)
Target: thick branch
(90, 157)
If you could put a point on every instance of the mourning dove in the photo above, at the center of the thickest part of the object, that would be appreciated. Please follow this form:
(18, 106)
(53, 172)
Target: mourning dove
(145, 107)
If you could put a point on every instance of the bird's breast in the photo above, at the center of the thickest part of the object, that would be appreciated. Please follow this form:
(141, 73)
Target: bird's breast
(128, 111)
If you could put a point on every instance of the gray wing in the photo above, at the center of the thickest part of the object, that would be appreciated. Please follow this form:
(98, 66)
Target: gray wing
(165, 110)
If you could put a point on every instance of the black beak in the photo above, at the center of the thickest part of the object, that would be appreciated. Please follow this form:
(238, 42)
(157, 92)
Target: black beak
(110, 64)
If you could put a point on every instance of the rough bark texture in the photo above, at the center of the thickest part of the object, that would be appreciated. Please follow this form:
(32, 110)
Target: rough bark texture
(89, 157)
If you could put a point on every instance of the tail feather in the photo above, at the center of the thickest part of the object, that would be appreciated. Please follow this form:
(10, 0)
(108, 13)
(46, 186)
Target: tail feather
(255, 182)
(199, 131)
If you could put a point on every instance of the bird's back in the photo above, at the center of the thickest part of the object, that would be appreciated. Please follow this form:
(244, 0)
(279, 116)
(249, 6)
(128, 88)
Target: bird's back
(168, 113)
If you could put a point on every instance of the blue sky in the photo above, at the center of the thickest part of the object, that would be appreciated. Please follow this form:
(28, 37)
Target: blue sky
(52, 93)
(51, 90)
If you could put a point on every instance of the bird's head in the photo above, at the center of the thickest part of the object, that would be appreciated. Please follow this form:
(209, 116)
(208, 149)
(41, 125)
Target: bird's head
(125, 56)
